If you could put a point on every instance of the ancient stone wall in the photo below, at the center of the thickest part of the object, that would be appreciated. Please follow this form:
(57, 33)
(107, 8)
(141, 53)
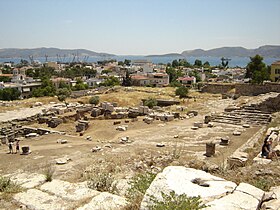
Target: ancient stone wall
(217, 88)
(241, 89)
(255, 89)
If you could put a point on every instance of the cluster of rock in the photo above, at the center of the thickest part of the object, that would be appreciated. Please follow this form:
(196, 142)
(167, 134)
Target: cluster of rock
(59, 194)
(112, 111)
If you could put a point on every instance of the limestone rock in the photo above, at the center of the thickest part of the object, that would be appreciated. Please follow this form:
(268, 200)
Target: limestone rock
(261, 161)
(181, 180)
(235, 201)
(121, 128)
(62, 161)
(36, 199)
(28, 180)
(276, 191)
(246, 126)
(236, 133)
(160, 145)
(105, 201)
(251, 190)
(69, 191)
(272, 205)
(96, 149)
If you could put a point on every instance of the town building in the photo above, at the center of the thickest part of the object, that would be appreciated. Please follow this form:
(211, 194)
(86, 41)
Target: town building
(150, 79)
(275, 71)
(143, 65)
(187, 81)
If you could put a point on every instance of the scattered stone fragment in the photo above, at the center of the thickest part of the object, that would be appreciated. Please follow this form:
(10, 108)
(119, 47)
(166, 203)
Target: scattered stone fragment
(194, 128)
(236, 133)
(198, 124)
(121, 128)
(210, 125)
(62, 141)
(89, 138)
(124, 139)
(96, 149)
(160, 145)
(261, 161)
(246, 126)
(224, 141)
(62, 161)
(148, 120)
(108, 145)
(31, 135)
(176, 136)
(238, 159)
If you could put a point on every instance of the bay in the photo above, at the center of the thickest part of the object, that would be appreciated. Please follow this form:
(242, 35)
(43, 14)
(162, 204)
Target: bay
(214, 61)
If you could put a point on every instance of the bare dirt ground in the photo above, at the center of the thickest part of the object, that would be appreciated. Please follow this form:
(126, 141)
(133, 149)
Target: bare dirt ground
(140, 153)
(134, 155)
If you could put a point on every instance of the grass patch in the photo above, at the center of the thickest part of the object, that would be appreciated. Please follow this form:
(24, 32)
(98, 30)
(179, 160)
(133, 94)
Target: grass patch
(263, 183)
(49, 171)
(7, 186)
(101, 181)
(138, 186)
(172, 201)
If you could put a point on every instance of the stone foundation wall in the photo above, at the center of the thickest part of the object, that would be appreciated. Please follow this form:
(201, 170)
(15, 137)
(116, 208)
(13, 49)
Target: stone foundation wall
(217, 88)
(255, 89)
(241, 89)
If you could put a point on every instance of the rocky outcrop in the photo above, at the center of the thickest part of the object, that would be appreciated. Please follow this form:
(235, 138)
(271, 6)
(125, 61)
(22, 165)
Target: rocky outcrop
(215, 192)
(273, 200)
(105, 201)
(187, 181)
(59, 194)
(69, 191)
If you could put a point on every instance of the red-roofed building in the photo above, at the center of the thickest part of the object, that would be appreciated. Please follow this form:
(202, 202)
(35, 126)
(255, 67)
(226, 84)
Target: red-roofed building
(187, 81)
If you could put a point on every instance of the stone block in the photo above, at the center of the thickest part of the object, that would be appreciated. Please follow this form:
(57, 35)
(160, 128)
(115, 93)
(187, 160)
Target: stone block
(104, 201)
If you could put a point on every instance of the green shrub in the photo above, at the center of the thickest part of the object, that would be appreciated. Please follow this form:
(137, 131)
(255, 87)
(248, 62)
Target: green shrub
(7, 186)
(94, 100)
(182, 92)
(176, 202)
(150, 102)
(49, 174)
(263, 183)
(138, 186)
(101, 181)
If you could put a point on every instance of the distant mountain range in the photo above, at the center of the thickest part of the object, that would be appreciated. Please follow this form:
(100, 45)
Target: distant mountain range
(50, 52)
(272, 51)
(266, 51)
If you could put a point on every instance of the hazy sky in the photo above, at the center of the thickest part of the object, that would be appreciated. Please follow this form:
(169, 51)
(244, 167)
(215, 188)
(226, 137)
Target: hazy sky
(139, 27)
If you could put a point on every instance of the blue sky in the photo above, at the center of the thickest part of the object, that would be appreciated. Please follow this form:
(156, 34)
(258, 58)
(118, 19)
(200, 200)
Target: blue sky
(139, 27)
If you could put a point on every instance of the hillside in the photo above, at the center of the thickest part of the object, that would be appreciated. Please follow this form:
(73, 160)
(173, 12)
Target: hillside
(51, 52)
(266, 51)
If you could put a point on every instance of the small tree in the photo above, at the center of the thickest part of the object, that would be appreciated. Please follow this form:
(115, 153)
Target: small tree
(257, 70)
(94, 100)
(150, 102)
(63, 93)
(127, 80)
(182, 92)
